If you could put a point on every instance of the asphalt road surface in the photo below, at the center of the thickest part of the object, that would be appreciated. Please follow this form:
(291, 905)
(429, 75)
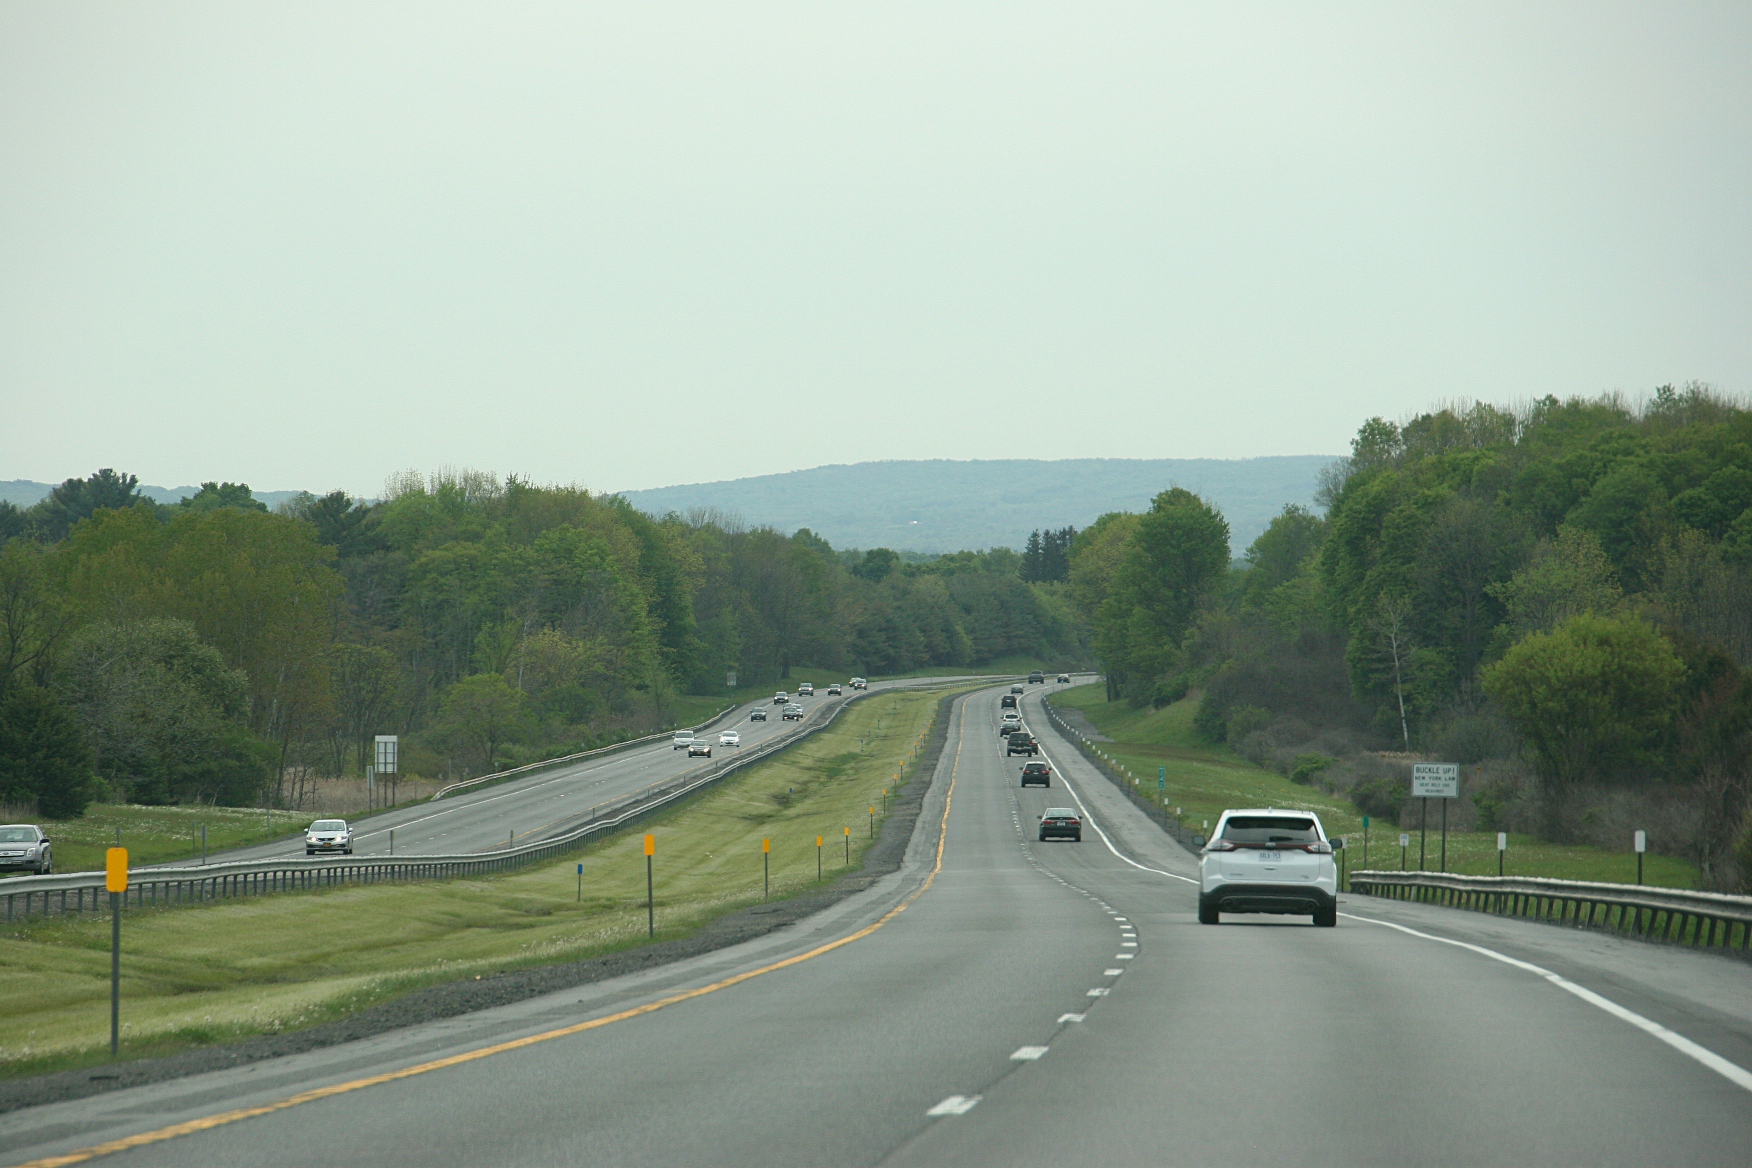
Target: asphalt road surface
(556, 800)
(1002, 1001)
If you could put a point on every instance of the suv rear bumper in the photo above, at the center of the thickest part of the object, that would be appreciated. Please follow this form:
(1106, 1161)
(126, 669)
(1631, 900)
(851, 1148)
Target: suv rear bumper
(1248, 897)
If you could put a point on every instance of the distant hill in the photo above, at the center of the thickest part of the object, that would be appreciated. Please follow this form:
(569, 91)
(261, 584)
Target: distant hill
(24, 493)
(945, 506)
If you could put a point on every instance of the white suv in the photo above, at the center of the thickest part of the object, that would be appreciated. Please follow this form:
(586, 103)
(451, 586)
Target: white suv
(1268, 861)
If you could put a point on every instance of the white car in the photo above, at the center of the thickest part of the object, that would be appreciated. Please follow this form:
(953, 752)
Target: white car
(682, 740)
(328, 835)
(730, 738)
(699, 746)
(23, 845)
(1268, 861)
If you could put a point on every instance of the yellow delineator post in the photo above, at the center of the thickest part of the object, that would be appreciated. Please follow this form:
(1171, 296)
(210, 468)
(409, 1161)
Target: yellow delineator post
(848, 846)
(766, 868)
(650, 893)
(115, 878)
(818, 858)
(872, 821)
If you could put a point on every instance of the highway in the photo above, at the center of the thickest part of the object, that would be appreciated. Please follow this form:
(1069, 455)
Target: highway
(1001, 1001)
(552, 801)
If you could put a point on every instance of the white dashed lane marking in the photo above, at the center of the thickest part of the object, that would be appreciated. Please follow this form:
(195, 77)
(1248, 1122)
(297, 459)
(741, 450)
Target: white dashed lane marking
(1111, 972)
(1063, 1018)
(955, 1105)
(1028, 1053)
(1098, 992)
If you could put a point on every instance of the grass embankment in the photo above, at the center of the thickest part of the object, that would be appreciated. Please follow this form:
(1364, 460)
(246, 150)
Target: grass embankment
(162, 835)
(1204, 779)
(225, 971)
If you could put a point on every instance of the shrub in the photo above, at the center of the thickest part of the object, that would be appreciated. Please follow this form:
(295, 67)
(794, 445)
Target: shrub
(1308, 766)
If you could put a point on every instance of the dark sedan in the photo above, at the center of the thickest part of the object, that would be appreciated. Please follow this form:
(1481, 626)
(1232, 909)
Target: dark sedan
(1061, 823)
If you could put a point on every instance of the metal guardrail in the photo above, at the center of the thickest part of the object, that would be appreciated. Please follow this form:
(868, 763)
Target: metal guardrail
(527, 768)
(1705, 920)
(84, 891)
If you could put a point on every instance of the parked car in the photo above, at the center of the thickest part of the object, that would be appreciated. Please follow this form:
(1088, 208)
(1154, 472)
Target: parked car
(23, 845)
(1268, 861)
(1064, 677)
(328, 835)
(757, 715)
(806, 690)
(1036, 678)
(730, 738)
(1037, 771)
(1021, 742)
(1061, 823)
(793, 713)
(699, 746)
(833, 691)
(682, 740)
(859, 683)
(781, 698)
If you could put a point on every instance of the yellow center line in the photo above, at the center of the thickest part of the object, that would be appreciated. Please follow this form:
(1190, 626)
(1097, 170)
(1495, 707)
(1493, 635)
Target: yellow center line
(225, 1117)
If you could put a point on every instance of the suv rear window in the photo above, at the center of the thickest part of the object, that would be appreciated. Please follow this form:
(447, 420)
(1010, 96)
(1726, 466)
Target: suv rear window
(1034, 767)
(1272, 829)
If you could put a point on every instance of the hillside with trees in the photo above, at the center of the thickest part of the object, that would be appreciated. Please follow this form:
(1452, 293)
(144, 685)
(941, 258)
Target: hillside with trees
(1558, 596)
(214, 650)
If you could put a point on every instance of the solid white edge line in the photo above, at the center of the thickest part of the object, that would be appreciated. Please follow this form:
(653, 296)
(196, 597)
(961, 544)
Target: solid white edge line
(1730, 1071)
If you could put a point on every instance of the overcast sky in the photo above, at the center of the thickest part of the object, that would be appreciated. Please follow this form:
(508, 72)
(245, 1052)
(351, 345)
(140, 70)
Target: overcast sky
(631, 245)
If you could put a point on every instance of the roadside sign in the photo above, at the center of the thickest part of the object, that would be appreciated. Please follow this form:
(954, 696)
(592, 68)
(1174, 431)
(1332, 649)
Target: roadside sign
(730, 679)
(115, 869)
(388, 747)
(1435, 780)
(1161, 778)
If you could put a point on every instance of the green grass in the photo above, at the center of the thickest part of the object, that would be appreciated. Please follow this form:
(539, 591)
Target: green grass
(161, 835)
(1204, 779)
(226, 971)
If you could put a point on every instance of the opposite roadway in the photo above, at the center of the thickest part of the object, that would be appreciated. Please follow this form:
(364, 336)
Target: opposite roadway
(1000, 1001)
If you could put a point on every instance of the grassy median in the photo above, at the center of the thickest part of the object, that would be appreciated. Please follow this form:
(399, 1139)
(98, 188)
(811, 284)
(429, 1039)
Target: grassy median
(221, 972)
(1204, 779)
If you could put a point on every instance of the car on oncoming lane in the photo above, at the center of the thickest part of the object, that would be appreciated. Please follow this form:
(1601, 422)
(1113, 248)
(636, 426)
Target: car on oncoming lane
(1037, 771)
(1061, 823)
(682, 740)
(328, 835)
(757, 715)
(1268, 860)
(730, 738)
(701, 747)
(781, 698)
(859, 683)
(806, 690)
(24, 846)
(792, 713)
(833, 691)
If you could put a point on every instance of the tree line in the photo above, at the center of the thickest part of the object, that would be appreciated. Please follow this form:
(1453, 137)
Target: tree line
(1558, 595)
(212, 650)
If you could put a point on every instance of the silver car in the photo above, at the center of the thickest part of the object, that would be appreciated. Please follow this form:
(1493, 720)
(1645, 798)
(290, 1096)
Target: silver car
(24, 846)
(328, 835)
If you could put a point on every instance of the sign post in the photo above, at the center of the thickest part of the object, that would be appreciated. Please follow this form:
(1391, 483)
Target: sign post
(1434, 780)
(1502, 846)
(1404, 843)
(1641, 843)
(115, 878)
(1365, 843)
(389, 761)
(650, 888)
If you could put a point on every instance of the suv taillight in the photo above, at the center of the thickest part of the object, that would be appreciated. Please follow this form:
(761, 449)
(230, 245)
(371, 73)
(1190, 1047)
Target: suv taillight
(1320, 848)
(1219, 845)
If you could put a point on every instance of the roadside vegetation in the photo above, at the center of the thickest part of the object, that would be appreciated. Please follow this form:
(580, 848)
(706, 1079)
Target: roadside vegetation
(225, 971)
(1555, 597)
(1206, 778)
(212, 652)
